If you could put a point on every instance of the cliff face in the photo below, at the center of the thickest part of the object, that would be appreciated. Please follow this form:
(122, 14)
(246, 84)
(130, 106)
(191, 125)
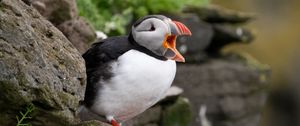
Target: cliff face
(230, 88)
(38, 65)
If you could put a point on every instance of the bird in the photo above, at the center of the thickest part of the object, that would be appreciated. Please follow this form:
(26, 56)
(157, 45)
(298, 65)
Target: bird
(128, 74)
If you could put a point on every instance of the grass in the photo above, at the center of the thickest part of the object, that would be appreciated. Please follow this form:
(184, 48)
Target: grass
(25, 116)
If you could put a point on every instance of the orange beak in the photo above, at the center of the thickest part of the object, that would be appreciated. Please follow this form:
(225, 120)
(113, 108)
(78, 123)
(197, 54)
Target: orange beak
(182, 29)
(169, 42)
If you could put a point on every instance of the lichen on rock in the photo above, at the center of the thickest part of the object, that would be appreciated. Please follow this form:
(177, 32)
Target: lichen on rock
(38, 65)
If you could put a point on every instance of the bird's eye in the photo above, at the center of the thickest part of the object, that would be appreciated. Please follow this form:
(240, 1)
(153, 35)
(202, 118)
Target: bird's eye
(152, 28)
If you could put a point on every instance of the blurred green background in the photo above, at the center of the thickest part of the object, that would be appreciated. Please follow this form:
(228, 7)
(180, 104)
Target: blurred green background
(113, 16)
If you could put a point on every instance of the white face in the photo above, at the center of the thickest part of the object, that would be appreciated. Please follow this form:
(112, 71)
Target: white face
(151, 34)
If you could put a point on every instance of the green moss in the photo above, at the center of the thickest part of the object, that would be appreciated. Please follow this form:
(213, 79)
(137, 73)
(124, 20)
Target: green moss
(68, 99)
(11, 94)
(247, 59)
(45, 98)
(178, 114)
(22, 79)
(1, 6)
(1, 53)
(61, 15)
(263, 70)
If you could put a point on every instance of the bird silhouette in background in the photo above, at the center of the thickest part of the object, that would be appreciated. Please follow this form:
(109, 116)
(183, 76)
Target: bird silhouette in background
(128, 74)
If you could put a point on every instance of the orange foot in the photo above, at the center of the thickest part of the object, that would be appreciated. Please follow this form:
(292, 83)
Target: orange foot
(114, 123)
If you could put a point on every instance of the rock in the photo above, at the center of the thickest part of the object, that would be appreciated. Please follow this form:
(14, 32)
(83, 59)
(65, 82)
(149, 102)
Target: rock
(79, 32)
(38, 66)
(246, 121)
(93, 123)
(56, 11)
(172, 110)
(217, 14)
(28, 2)
(64, 15)
(232, 88)
(225, 35)
(172, 94)
(100, 35)
(151, 116)
(208, 38)
(177, 114)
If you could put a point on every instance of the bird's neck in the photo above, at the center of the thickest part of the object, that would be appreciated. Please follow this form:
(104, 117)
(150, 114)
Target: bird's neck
(143, 49)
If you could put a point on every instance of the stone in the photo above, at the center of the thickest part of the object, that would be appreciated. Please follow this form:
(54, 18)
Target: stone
(172, 112)
(56, 11)
(149, 117)
(100, 35)
(177, 114)
(93, 123)
(243, 121)
(171, 107)
(232, 87)
(64, 15)
(217, 14)
(172, 94)
(225, 35)
(79, 32)
(38, 66)
(236, 106)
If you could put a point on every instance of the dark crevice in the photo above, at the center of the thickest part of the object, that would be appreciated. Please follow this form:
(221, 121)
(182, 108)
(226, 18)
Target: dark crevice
(81, 80)
(42, 105)
(49, 34)
(24, 89)
(65, 90)
(27, 2)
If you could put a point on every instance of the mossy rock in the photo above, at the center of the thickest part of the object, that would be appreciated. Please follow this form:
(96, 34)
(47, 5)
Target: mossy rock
(177, 114)
(93, 123)
(38, 66)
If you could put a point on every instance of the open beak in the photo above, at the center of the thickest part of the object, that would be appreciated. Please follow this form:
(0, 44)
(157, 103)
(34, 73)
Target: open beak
(169, 43)
(179, 29)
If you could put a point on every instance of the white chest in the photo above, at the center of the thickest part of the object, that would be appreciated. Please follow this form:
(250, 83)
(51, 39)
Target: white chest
(139, 81)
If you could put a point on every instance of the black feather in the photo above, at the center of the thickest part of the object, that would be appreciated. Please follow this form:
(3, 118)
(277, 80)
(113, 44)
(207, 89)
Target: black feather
(99, 57)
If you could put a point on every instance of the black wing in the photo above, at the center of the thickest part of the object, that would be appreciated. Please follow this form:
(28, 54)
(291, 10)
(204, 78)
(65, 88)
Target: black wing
(98, 59)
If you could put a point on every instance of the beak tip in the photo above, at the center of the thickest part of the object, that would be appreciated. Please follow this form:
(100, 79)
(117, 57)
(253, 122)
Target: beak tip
(187, 34)
(179, 58)
(181, 61)
(183, 30)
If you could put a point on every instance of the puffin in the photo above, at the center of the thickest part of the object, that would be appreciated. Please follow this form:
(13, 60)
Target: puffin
(128, 74)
